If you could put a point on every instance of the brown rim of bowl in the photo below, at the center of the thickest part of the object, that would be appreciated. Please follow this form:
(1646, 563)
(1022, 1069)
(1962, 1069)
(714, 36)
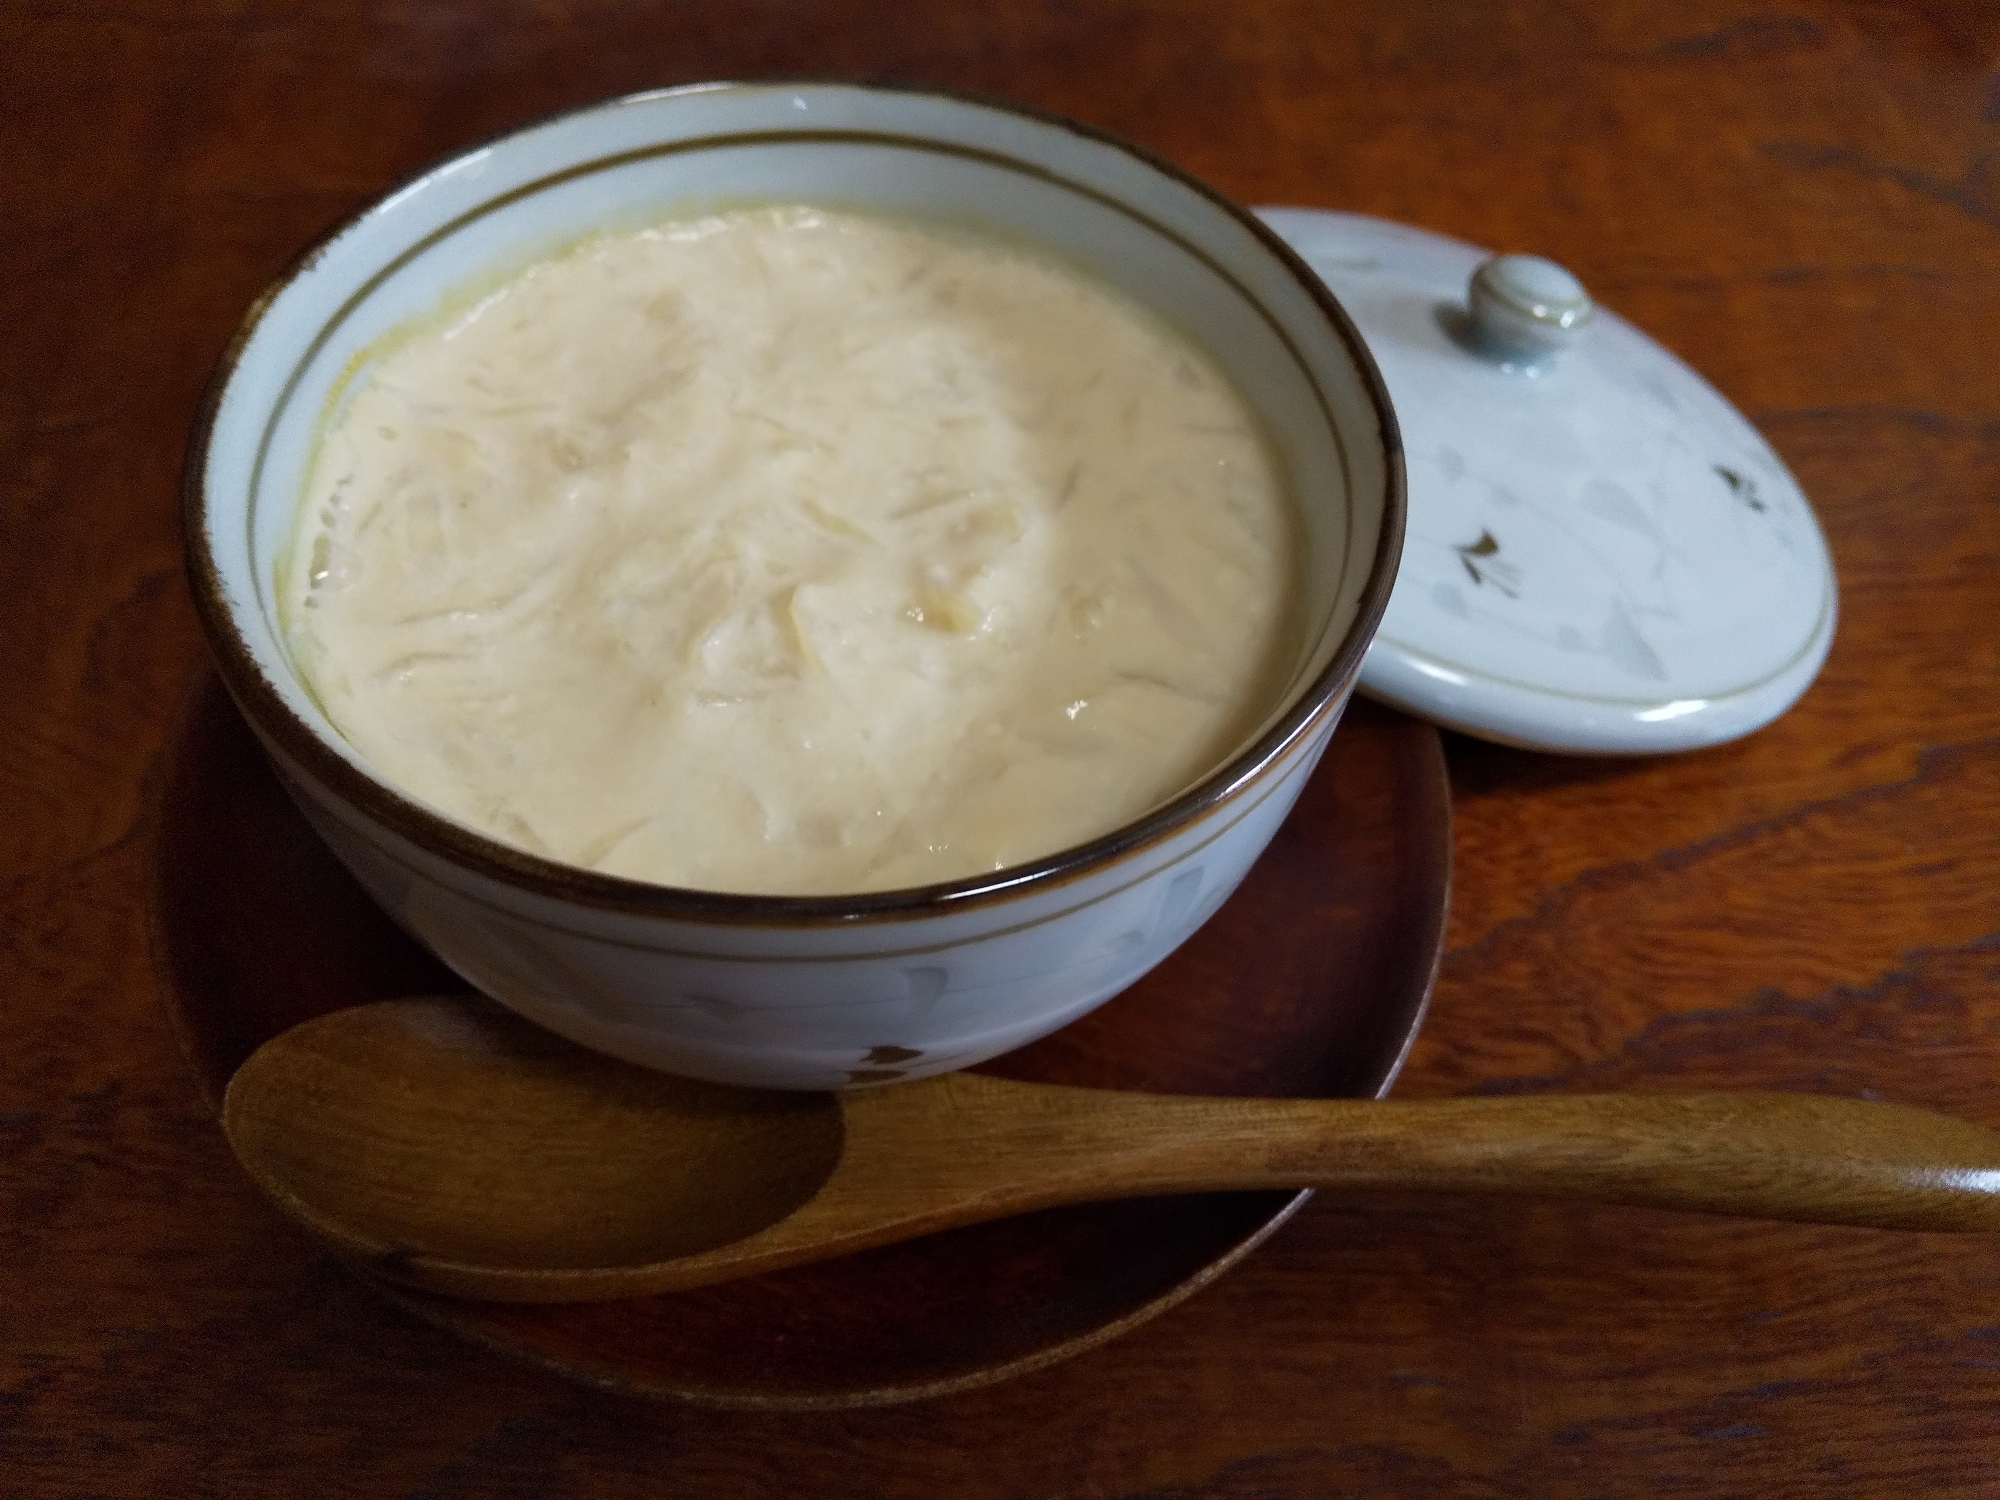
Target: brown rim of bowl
(262, 704)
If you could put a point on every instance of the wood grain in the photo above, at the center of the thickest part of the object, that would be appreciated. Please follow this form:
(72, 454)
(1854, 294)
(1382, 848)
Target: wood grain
(1363, 864)
(444, 1144)
(1803, 199)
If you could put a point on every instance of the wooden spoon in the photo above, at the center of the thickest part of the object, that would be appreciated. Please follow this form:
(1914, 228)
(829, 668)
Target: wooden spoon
(450, 1146)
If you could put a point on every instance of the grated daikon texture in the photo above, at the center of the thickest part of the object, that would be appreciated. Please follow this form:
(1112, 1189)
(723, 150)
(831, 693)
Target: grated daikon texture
(793, 551)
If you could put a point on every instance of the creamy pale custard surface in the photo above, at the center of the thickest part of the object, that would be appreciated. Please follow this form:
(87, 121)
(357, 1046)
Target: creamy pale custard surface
(793, 551)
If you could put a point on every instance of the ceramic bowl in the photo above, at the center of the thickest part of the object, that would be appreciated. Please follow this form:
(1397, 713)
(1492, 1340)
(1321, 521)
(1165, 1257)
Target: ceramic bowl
(803, 992)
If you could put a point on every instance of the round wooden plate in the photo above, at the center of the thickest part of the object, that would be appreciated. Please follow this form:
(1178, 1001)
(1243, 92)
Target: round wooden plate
(1311, 980)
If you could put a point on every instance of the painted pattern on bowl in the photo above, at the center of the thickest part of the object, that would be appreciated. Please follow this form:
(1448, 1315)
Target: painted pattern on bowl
(807, 992)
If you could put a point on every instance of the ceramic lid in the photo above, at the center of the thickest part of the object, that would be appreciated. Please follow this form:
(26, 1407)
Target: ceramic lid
(1603, 555)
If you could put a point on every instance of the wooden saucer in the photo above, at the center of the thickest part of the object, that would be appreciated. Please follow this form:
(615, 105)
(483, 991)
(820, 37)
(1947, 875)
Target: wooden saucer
(1312, 979)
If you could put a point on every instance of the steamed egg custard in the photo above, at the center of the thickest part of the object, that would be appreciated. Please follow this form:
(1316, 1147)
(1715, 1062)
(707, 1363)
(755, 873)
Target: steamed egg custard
(793, 551)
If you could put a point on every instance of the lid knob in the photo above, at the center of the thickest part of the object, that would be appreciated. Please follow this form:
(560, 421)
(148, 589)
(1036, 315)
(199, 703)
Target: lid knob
(1526, 309)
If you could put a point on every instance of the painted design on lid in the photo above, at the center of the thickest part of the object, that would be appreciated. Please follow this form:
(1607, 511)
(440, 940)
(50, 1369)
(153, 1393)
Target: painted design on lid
(1484, 565)
(1602, 554)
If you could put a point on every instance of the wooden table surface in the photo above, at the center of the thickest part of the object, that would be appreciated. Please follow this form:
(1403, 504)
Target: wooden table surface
(1803, 199)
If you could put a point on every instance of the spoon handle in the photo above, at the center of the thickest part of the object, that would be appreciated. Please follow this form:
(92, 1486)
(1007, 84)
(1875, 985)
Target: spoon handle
(1774, 1156)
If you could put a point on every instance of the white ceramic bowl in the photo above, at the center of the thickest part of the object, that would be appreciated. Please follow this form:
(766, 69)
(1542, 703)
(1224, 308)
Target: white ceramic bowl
(805, 992)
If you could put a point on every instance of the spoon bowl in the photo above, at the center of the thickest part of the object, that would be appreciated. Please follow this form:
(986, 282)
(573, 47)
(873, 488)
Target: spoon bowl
(453, 1147)
(432, 1129)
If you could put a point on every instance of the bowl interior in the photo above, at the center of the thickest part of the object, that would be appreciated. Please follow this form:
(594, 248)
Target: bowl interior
(469, 223)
